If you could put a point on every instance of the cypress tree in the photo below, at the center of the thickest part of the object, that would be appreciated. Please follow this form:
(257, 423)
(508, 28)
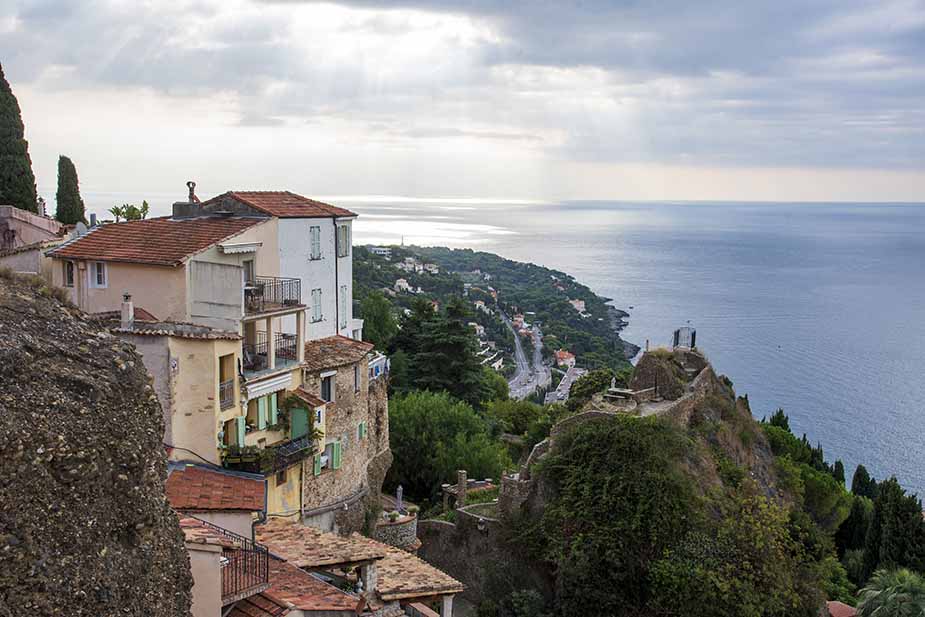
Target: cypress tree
(17, 182)
(70, 205)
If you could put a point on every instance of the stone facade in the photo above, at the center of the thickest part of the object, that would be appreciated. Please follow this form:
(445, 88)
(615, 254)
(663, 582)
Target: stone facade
(337, 499)
(402, 533)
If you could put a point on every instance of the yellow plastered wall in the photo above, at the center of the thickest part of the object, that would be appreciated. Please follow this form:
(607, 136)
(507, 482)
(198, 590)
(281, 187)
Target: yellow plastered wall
(284, 498)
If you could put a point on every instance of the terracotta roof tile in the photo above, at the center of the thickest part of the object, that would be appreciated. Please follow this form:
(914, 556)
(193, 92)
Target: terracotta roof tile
(283, 204)
(192, 488)
(840, 609)
(305, 592)
(334, 351)
(308, 547)
(197, 532)
(158, 241)
(400, 574)
(260, 605)
(308, 397)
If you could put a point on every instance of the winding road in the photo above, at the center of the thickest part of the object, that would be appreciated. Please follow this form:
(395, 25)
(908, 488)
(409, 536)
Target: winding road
(528, 377)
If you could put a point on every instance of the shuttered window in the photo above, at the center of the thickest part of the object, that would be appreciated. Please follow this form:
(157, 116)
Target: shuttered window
(314, 233)
(274, 411)
(343, 306)
(240, 426)
(335, 455)
(316, 305)
(343, 240)
(261, 413)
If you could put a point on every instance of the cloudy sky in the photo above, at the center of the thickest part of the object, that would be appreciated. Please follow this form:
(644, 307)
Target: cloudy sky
(620, 99)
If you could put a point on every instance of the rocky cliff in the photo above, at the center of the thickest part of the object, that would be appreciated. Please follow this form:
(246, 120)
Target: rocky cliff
(84, 525)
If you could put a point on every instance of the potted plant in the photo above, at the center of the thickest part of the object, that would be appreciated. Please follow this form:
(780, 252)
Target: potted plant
(393, 515)
(413, 510)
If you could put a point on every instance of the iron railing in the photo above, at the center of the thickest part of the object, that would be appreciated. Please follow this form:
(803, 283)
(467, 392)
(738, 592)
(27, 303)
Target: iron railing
(255, 355)
(294, 451)
(226, 394)
(269, 293)
(245, 565)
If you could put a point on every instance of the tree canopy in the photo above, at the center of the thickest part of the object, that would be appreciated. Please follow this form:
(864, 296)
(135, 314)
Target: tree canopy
(433, 435)
(70, 206)
(379, 324)
(17, 182)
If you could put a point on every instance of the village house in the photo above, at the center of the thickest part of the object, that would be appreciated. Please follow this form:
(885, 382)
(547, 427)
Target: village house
(431, 268)
(402, 286)
(24, 239)
(565, 359)
(479, 329)
(518, 321)
(382, 251)
(578, 305)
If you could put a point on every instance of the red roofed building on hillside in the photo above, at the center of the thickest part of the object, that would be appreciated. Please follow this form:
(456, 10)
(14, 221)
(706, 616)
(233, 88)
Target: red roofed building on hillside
(565, 358)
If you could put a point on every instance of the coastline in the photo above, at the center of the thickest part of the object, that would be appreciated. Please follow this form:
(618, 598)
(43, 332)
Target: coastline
(618, 322)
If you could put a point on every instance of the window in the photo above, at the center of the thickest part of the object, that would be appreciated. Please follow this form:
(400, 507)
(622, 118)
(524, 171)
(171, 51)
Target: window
(68, 273)
(361, 430)
(356, 377)
(99, 275)
(343, 306)
(327, 388)
(330, 459)
(280, 477)
(314, 234)
(343, 240)
(250, 275)
(319, 417)
(316, 305)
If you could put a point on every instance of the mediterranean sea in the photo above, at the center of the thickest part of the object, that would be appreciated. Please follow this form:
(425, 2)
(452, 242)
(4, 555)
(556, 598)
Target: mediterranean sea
(815, 308)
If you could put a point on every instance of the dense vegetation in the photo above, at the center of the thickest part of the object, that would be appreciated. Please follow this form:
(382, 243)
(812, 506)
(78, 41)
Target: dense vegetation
(17, 182)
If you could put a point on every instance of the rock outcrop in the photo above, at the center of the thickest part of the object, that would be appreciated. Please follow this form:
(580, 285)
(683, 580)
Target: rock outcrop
(85, 529)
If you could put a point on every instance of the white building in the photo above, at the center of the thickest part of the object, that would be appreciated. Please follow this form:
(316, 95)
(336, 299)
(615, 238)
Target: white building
(431, 268)
(314, 243)
(478, 328)
(402, 286)
(579, 305)
(381, 251)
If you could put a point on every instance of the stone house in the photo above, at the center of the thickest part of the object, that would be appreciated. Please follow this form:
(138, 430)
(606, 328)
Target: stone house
(352, 453)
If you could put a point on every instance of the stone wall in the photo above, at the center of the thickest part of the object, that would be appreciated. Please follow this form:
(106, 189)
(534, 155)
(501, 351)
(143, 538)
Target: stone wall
(402, 533)
(338, 499)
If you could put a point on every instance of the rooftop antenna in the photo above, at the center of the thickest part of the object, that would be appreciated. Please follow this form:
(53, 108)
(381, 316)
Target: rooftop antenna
(403, 240)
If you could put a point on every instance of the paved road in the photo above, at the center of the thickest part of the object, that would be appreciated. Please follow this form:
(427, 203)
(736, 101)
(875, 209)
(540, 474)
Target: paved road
(526, 377)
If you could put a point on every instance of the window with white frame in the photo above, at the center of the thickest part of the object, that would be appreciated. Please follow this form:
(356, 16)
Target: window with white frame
(98, 275)
(343, 306)
(327, 387)
(343, 240)
(316, 305)
(68, 273)
(314, 234)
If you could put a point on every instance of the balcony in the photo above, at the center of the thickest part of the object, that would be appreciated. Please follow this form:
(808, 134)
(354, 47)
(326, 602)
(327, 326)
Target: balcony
(245, 564)
(256, 356)
(269, 459)
(268, 294)
(226, 394)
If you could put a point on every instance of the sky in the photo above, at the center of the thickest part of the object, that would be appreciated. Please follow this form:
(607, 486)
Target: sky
(766, 100)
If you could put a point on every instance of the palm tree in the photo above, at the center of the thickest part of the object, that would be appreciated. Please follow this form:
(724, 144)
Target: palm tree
(893, 593)
(118, 212)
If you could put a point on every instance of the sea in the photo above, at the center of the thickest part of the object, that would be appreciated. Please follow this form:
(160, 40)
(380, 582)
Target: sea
(816, 308)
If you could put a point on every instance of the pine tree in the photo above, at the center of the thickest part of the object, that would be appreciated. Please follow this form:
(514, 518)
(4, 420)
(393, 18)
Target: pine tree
(17, 182)
(862, 484)
(70, 205)
(838, 472)
(896, 536)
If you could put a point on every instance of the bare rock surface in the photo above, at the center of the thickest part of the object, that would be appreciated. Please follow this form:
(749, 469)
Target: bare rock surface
(85, 529)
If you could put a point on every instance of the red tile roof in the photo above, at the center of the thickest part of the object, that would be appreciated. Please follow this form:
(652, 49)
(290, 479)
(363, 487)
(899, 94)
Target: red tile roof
(194, 488)
(334, 351)
(840, 609)
(283, 204)
(308, 547)
(159, 241)
(196, 531)
(305, 592)
(260, 605)
(308, 397)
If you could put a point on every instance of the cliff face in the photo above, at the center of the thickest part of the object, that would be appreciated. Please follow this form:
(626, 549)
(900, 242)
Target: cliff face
(84, 525)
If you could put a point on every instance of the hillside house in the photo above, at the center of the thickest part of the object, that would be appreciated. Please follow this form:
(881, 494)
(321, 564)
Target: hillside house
(565, 359)
(478, 328)
(431, 268)
(382, 251)
(402, 286)
(578, 305)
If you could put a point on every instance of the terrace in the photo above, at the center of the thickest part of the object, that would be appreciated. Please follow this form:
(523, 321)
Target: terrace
(266, 294)
(263, 352)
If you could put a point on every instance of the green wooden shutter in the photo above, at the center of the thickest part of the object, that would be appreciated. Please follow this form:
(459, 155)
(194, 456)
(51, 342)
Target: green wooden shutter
(274, 410)
(362, 430)
(239, 424)
(298, 423)
(262, 413)
(317, 470)
(335, 454)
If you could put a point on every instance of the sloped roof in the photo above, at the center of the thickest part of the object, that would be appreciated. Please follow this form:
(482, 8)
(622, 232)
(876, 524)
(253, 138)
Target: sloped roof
(284, 204)
(308, 547)
(840, 609)
(192, 488)
(334, 351)
(159, 241)
(197, 532)
(308, 397)
(260, 605)
(305, 592)
(402, 575)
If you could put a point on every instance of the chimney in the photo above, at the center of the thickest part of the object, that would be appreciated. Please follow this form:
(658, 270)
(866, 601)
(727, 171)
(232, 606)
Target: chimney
(189, 208)
(93, 219)
(128, 312)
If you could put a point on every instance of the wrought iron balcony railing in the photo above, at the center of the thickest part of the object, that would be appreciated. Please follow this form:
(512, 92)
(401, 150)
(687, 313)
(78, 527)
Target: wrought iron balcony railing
(270, 293)
(245, 566)
(226, 394)
(255, 355)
